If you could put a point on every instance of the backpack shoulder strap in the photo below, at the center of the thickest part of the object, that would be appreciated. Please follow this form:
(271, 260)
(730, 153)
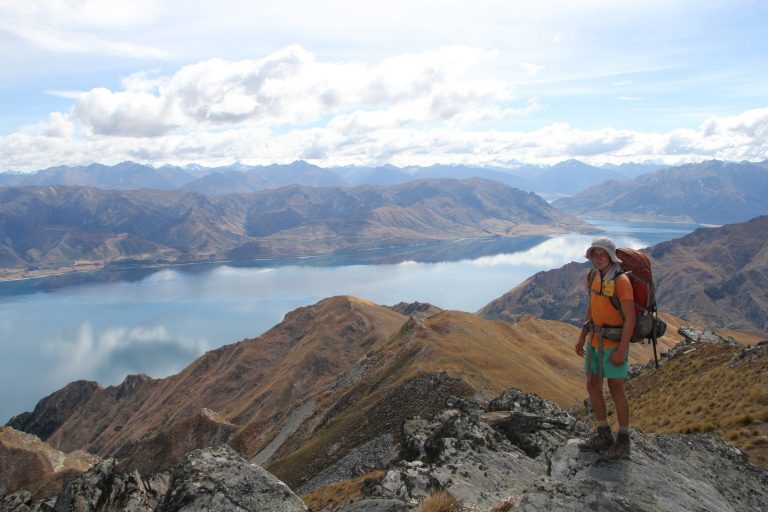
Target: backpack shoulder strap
(614, 299)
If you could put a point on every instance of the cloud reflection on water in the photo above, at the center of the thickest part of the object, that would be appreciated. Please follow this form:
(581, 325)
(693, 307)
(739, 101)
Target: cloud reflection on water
(109, 354)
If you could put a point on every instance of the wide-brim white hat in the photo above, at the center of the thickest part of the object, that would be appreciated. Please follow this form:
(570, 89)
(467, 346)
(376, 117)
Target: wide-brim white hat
(605, 244)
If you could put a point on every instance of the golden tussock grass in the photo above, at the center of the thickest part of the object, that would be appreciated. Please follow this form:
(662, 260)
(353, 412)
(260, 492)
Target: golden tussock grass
(701, 392)
(505, 506)
(440, 501)
(339, 493)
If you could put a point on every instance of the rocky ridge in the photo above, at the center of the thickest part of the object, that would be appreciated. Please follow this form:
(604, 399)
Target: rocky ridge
(525, 457)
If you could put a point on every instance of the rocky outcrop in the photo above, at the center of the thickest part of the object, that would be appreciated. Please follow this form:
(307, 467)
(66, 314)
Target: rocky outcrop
(104, 487)
(535, 425)
(209, 479)
(530, 461)
(666, 473)
(457, 451)
(374, 454)
(415, 309)
(219, 479)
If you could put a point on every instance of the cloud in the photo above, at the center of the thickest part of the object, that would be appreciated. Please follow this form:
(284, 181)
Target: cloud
(445, 105)
(391, 136)
(291, 87)
(83, 26)
(531, 69)
(132, 114)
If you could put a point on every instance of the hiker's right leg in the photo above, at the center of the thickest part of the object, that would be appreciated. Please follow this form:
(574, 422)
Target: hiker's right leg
(602, 437)
(595, 390)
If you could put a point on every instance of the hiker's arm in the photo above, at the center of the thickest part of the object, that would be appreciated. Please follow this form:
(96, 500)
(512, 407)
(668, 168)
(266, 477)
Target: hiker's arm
(584, 330)
(628, 311)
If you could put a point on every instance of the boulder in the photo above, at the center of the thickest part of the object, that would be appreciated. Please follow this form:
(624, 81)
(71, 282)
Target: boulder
(457, 451)
(103, 487)
(219, 479)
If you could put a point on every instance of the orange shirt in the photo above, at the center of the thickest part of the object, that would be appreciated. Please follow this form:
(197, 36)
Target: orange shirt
(603, 311)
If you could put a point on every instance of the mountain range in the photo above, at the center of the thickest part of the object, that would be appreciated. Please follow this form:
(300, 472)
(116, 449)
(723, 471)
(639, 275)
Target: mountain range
(64, 228)
(715, 277)
(565, 178)
(712, 192)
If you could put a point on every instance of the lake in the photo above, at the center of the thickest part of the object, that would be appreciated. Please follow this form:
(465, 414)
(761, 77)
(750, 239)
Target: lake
(105, 325)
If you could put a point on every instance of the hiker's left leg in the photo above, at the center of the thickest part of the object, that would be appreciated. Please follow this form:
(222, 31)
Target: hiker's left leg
(616, 388)
(621, 447)
(616, 377)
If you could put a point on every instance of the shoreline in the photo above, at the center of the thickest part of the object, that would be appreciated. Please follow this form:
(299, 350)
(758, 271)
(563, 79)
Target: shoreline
(115, 265)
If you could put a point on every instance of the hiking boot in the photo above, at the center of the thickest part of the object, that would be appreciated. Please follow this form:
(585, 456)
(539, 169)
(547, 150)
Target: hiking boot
(601, 439)
(620, 450)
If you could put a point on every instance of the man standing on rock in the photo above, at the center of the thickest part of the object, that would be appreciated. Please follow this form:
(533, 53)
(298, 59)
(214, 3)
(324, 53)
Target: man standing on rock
(605, 356)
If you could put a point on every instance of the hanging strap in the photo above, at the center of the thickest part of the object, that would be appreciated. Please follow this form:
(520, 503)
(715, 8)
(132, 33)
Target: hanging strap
(590, 348)
(592, 331)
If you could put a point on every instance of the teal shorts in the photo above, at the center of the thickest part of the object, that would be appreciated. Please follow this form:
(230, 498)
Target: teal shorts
(610, 370)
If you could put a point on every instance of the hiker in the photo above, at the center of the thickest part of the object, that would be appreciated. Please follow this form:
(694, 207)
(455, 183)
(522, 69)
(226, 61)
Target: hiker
(604, 356)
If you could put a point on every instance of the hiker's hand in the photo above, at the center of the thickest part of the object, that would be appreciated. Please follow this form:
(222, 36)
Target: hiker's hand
(580, 347)
(618, 356)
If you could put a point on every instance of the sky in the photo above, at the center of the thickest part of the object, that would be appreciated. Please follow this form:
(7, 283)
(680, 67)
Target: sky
(417, 82)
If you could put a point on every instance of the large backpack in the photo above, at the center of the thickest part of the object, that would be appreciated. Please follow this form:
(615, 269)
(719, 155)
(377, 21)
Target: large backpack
(637, 267)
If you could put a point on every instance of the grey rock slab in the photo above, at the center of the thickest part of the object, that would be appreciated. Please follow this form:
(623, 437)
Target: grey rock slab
(219, 479)
(663, 474)
(373, 505)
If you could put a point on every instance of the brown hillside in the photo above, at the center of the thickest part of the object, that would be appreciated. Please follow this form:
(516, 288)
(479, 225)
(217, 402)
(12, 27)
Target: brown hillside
(717, 388)
(711, 192)
(167, 448)
(28, 463)
(253, 383)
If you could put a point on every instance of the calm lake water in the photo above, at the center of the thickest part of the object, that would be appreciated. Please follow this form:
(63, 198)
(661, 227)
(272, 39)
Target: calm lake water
(104, 325)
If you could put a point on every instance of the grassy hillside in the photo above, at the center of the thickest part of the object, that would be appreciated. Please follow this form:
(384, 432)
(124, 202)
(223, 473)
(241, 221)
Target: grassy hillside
(712, 388)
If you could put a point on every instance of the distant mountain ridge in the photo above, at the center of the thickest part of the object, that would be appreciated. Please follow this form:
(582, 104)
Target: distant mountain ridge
(565, 178)
(715, 277)
(712, 192)
(78, 227)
